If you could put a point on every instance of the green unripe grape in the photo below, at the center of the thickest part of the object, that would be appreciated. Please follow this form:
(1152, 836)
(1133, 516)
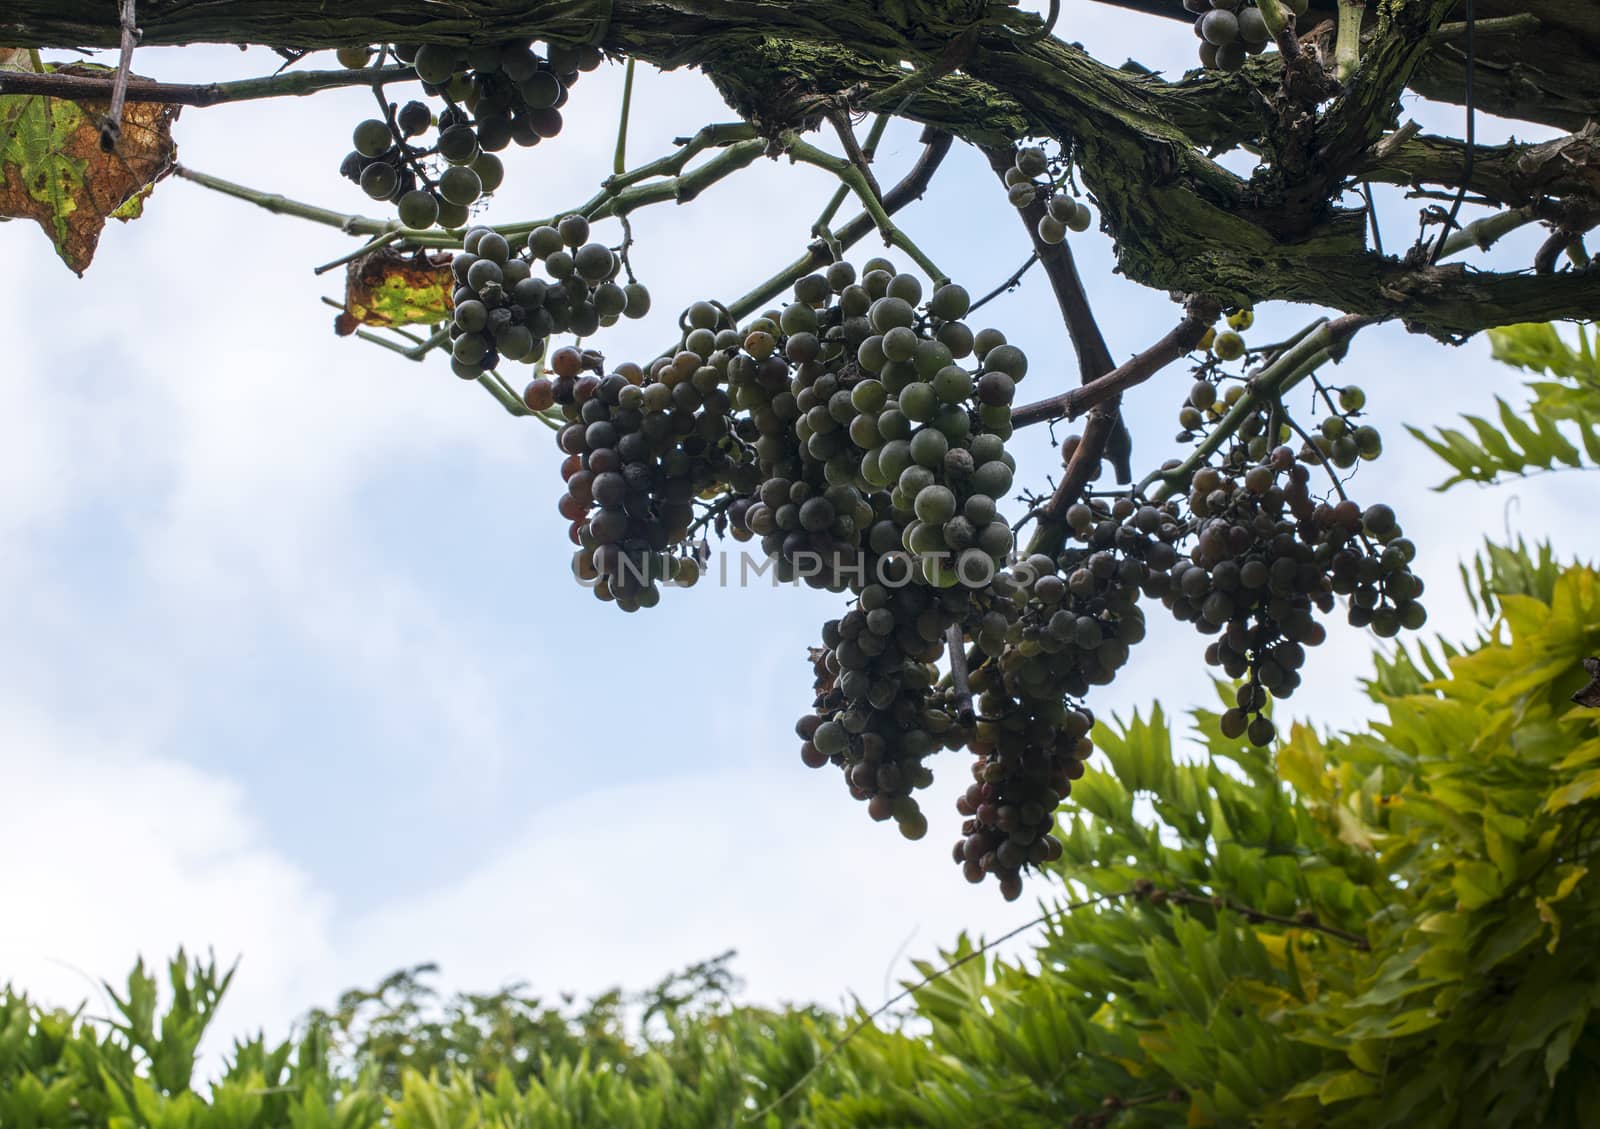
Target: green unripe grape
(1228, 346)
(1021, 194)
(471, 315)
(354, 58)
(610, 300)
(541, 90)
(1051, 230)
(638, 300)
(574, 230)
(812, 290)
(893, 424)
(460, 185)
(928, 448)
(372, 138)
(1031, 161)
(594, 262)
(870, 355)
(419, 209)
(559, 265)
(900, 344)
(913, 481)
(469, 349)
(936, 505)
(893, 459)
(931, 356)
(878, 263)
(1007, 359)
(380, 181)
(952, 384)
(918, 402)
(1369, 444)
(986, 340)
(544, 241)
(979, 510)
(1352, 398)
(799, 318)
(956, 337)
(491, 171)
(452, 215)
(1334, 426)
(864, 432)
(435, 63)
(703, 315)
(888, 313)
(701, 341)
(1061, 207)
(876, 283)
(995, 539)
(906, 287)
(952, 419)
(1080, 219)
(993, 479)
(459, 145)
(869, 396)
(840, 276)
(515, 342)
(950, 302)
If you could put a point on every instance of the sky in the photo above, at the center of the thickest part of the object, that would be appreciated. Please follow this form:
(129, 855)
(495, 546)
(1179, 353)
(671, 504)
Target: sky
(292, 665)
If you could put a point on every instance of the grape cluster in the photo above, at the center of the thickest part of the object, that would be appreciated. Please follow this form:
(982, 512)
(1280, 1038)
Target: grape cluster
(504, 312)
(1232, 30)
(493, 95)
(1034, 175)
(1266, 559)
(639, 450)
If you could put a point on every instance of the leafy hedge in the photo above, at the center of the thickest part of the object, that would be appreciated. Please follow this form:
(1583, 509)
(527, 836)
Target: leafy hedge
(1388, 927)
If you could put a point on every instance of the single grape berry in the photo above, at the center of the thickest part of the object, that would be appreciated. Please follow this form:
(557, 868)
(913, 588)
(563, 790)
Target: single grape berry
(372, 138)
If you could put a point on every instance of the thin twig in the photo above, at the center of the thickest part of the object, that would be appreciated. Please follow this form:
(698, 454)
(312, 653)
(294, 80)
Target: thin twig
(852, 148)
(1008, 285)
(111, 124)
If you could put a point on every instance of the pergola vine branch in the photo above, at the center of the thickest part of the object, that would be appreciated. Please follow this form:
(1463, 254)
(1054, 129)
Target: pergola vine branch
(1181, 221)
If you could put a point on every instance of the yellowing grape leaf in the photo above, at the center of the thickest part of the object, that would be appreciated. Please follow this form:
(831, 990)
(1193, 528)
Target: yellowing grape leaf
(52, 169)
(387, 288)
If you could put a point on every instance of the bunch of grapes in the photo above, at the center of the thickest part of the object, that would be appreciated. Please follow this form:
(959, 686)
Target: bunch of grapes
(639, 451)
(503, 312)
(493, 95)
(1231, 30)
(876, 715)
(1266, 559)
(1034, 175)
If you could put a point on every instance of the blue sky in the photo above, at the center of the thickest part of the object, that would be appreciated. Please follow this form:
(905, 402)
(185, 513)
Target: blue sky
(292, 665)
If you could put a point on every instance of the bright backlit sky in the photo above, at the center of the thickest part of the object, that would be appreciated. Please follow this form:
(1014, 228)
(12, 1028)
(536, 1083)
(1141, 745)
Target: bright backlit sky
(292, 664)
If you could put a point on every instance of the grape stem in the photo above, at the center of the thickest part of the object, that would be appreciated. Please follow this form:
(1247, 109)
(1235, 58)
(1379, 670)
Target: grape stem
(619, 161)
(853, 150)
(935, 147)
(367, 248)
(91, 87)
(958, 674)
(867, 151)
(1321, 342)
(803, 151)
(1347, 47)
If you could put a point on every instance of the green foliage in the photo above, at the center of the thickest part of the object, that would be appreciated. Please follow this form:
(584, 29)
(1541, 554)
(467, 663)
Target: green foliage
(1390, 927)
(1530, 440)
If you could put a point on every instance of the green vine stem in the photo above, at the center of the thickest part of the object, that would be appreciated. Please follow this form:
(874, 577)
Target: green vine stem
(1321, 342)
(847, 172)
(1347, 47)
(288, 83)
(619, 162)
(868, 150)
